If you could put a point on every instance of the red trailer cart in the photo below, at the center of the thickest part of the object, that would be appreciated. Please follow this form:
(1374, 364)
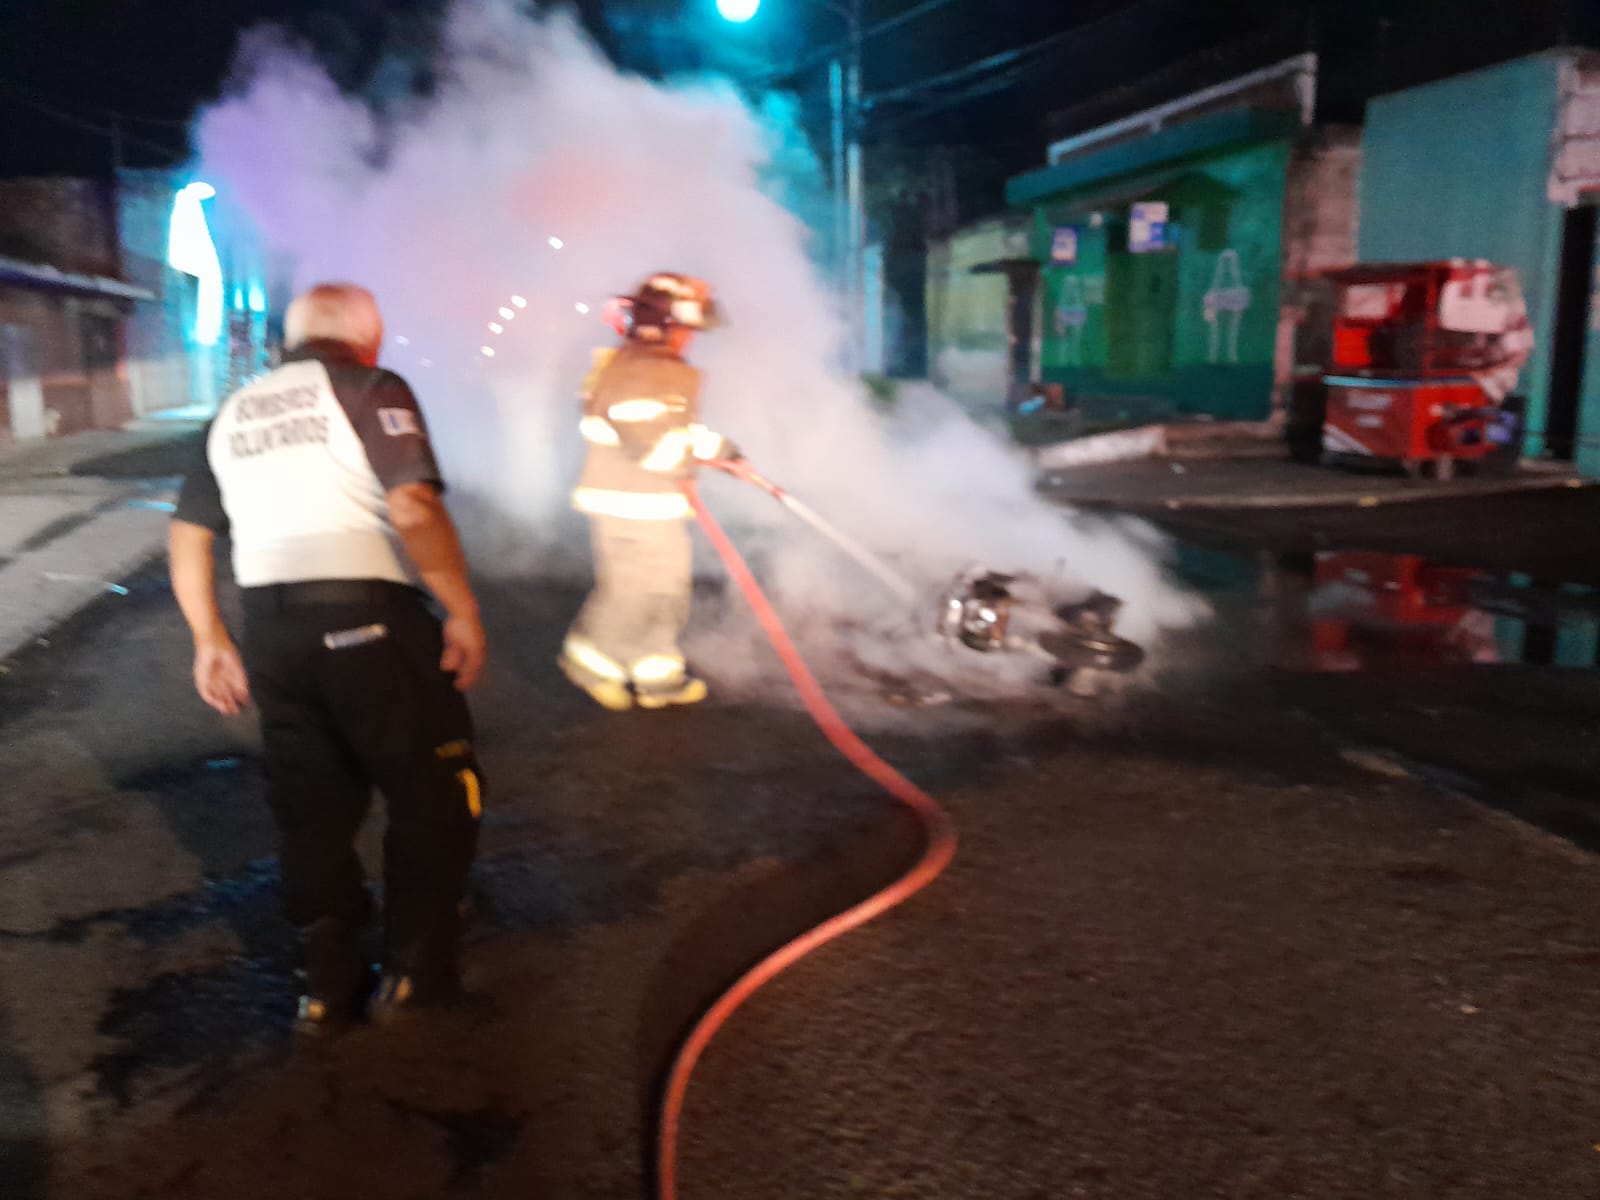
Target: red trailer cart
(1425, 358)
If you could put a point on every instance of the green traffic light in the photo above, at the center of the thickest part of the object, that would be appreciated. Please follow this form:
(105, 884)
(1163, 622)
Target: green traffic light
(738, 11)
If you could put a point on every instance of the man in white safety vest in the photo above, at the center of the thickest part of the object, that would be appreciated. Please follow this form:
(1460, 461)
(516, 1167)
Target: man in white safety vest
(640, 410)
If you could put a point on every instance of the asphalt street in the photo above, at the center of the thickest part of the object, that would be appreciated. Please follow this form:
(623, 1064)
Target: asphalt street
(1223, 936)
(1260, 926)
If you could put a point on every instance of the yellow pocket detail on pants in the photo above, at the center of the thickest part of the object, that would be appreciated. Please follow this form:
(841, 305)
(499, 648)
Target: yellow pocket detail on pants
(474, 790)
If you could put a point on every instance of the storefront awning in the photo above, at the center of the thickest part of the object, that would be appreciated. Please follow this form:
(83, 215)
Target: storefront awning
(1202, 136)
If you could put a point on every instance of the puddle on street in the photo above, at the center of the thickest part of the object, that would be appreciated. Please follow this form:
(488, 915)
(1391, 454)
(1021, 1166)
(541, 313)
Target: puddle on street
(1359, 610)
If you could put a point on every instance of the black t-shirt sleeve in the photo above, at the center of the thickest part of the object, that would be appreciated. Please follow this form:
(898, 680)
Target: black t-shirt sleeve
(392, 430)
(200, 500)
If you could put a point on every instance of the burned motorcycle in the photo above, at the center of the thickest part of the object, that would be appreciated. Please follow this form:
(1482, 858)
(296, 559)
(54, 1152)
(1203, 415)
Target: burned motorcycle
(991, 612)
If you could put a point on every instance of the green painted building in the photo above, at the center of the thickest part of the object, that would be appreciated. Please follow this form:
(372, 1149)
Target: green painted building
(1504, 164)
(1171, 247)
(1186, 327)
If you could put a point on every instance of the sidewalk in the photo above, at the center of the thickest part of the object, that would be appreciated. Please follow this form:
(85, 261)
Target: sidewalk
(78, 515)
(1157, 484)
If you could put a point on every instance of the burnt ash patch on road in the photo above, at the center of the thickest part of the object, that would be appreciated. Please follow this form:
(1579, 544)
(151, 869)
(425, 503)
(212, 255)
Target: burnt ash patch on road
(474, 1141)
(199, 1021)
(191, 1026)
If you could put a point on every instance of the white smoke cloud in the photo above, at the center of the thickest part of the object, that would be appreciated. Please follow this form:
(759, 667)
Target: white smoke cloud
(446, 209)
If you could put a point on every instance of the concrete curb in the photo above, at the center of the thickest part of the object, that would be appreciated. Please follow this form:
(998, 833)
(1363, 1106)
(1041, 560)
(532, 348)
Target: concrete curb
(43, 588)
(1328, 499)
(55, 458)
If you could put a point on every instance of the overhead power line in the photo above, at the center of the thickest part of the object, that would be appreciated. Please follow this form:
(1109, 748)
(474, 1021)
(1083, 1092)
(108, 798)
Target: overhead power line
(839, 46)
(889, 24)
(981, 67)
(93, 110)
(1013, 65)
(1000, 71)
(112, 132)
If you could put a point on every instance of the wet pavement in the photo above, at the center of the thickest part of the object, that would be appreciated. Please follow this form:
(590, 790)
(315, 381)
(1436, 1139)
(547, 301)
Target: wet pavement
(1549, 536)
(1372, 610)
(1310, 913)
(1264, 480)
(1453, 674)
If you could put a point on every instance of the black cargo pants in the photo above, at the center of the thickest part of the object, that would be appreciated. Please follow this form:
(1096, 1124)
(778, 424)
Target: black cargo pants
(345, 675)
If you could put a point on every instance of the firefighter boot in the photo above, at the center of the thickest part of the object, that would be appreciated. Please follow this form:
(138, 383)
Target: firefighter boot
(687, 690)
(336, 980)
(608, 693)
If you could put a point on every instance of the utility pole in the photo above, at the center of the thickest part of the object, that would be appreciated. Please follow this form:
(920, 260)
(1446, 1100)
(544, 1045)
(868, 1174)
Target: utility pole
(839, 194)
(857, 192)
(847, 111)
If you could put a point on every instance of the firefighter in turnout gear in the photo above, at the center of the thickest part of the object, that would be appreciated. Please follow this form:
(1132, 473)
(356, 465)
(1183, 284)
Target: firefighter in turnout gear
(640, 420)
(323, 476)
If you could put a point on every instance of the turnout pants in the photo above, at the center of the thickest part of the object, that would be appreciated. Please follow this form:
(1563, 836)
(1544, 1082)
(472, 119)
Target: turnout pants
(629, 627)
(346, 677)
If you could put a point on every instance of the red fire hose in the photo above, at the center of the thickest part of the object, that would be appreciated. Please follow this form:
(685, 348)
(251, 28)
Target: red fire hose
(939, 849)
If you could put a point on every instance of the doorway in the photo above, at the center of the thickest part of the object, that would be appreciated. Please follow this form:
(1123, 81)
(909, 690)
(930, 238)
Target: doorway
(1141, 314)
(23, 389)
(1572, 330)
(1022, 328)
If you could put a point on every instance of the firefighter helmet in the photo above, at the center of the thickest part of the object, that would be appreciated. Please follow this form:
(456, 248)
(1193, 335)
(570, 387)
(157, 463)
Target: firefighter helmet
(664, 300)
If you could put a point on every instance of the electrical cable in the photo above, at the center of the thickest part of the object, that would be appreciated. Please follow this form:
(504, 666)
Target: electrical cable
(991, 63)
(25, 96)
(938, 849)
(834, 49)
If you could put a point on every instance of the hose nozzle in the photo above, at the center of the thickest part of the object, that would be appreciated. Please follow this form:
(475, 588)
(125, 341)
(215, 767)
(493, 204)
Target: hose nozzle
(741, 469)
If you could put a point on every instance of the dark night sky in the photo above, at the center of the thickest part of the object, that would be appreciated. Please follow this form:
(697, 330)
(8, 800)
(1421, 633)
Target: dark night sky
(66, 66)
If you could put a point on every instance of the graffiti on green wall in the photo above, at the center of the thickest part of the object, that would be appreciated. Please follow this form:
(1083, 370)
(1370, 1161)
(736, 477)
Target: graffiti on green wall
(1226, 303)
(1071, 317)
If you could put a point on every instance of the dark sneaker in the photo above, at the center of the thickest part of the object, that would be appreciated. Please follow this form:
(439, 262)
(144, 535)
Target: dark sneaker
(317, 1018)
(400, 995)
(337, 983)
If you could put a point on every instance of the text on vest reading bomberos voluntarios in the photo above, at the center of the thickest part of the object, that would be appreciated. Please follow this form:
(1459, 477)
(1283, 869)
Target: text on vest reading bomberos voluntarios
(295, 431)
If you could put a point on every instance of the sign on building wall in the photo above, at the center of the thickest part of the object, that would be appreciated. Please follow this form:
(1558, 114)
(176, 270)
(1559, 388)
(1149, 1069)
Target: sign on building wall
(1064, 246)
(1148, 227)
(1576, 165)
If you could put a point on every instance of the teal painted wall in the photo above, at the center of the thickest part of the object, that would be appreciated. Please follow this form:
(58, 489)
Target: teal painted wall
(1129, 334)
(1459, 169)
